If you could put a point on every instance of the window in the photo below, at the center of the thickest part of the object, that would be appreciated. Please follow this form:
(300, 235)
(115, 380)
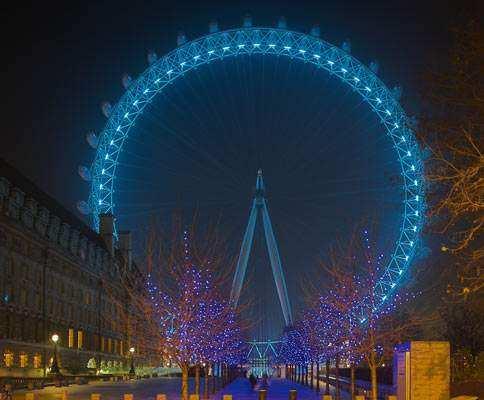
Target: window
(71, 338)
(8, 358)
(102, 343)
(121, 347)
(109, 345)
(24, 360)
(37, 361)
(79, 339)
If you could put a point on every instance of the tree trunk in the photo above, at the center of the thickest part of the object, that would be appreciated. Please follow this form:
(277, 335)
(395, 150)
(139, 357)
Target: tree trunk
(373, 373)
(317, 376)
(197, 379)
(205, 387)
(327, 377)
(352, 381)
(184, 382)
(338, 391)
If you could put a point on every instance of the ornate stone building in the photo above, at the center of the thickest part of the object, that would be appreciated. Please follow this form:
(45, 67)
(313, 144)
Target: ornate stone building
(58, 276)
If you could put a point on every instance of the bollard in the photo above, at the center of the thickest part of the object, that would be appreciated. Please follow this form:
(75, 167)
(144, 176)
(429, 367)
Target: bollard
(262, 394)
(293, 394)
(359, 397)
(227, 397)
(194, 397)
(327, 397)
(128, 396)
(29, 396)
(161, 397)
(95, 396)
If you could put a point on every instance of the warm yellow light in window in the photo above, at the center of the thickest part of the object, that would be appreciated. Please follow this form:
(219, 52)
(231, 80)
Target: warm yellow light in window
(79, 339)
(71, 338)
(37, 361)
(102, 343)
(24, 360)
(8, 359)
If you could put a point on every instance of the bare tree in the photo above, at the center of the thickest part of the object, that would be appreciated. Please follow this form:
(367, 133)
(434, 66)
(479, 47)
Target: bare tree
(452, 131)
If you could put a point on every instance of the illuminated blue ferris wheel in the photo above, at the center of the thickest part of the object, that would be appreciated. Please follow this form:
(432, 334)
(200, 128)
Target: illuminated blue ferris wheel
(218, 46)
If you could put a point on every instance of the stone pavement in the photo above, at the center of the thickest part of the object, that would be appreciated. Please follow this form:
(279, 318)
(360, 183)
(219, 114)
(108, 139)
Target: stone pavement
(278, 389)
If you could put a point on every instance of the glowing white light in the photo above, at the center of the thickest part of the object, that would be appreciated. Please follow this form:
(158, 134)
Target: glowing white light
(182, 64)
(225, 48)
(99, 202)
(378, 100)
(211, 51)
(169, 72)
(317, 56)
(409, 153)
(384, 298)
(388, 112)
(145, 91)
(344, 70)
(412, 167)
(392, 285)
(416, 213)
(111, 142)
(118, 128)
(414, 228)
(135, 102)
(417, 197)
(415, 182)
(241, 46)
(330, 62)
(101, 186)
(287, 47)
(406, 258)
(196, 57)
(356, 79)
(396, 125)
(126, 115)
(400, 271)
(367, 89)
(103, 171)
(106, 157)
(411, 243)
(272, 46)
(256, 44)
(302, 51)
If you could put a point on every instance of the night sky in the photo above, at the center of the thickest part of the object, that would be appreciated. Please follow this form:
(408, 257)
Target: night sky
(322, 176)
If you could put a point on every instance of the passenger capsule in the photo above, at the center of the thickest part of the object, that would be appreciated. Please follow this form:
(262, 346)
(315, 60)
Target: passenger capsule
(247, 22)
(152, 57)
(84, 173)
(83, 207)
(181, 39)
(213, 27)
(92, 139)
(106, 108)
(315, 31)
(374, 67)
(126, 81)
(346, 46)
(281, 23)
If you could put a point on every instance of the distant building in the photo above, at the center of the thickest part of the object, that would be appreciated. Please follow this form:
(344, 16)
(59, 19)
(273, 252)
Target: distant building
(59, 276)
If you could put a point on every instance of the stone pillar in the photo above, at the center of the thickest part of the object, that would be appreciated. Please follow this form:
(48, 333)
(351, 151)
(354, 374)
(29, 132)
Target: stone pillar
(421, 371)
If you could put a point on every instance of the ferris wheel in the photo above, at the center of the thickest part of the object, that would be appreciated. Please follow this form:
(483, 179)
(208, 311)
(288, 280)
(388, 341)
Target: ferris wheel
(221, 46)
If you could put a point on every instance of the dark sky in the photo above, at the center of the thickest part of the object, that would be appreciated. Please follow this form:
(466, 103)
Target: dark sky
(64, 59)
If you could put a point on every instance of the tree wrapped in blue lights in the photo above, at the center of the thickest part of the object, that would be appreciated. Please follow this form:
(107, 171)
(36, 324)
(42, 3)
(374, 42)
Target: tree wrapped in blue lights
(197, 324)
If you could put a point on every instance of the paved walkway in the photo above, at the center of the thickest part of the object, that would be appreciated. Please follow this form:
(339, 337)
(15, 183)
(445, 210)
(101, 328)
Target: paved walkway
(277, 389)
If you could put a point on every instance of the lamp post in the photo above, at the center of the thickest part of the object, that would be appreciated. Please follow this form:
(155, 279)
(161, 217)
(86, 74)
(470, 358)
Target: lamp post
(131, 370)
(54, 369)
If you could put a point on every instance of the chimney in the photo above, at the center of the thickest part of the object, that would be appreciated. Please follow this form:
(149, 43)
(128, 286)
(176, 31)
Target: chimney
(125, 245)
(106, 230)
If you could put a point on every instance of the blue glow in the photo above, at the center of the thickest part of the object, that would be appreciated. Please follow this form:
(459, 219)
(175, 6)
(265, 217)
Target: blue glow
(271, 42)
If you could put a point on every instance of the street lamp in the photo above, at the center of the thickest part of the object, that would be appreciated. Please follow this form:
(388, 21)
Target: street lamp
(131, 370)
(54, 369)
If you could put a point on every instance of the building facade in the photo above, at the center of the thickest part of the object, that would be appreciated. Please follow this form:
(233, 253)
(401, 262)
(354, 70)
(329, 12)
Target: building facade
(57, 276)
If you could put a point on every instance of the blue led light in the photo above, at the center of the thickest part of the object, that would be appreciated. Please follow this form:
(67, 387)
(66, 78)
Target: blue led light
(268, 41)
